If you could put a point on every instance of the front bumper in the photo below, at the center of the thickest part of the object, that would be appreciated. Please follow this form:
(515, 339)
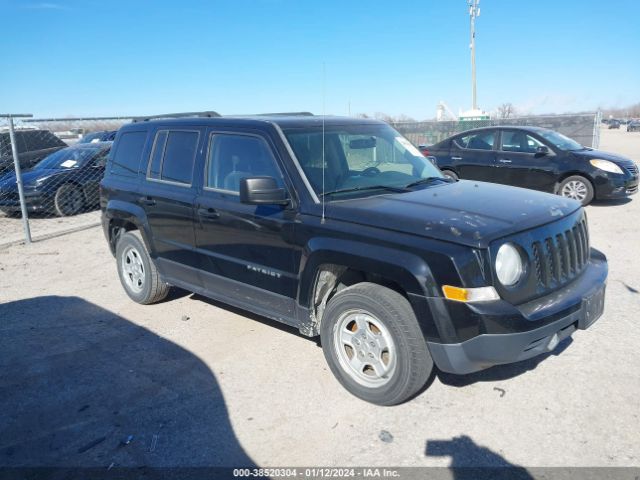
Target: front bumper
(613, 188)
(35, 201)
(547, 321)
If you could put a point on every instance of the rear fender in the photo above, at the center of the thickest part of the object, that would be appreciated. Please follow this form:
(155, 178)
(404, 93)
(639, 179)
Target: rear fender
(119, 213)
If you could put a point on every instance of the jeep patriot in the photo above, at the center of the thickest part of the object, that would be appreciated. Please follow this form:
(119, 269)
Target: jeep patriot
(342, 229)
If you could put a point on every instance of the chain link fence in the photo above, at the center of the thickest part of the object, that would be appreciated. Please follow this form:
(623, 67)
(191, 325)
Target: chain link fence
(583, 128)
(61, 163)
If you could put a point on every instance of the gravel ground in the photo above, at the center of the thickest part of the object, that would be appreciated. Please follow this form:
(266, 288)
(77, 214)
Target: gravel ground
(197, 383)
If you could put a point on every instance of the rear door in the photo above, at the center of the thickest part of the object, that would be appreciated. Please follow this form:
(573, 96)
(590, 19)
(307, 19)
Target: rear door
(473, 155)
(246, 251)
(519, 164)
(167, 196)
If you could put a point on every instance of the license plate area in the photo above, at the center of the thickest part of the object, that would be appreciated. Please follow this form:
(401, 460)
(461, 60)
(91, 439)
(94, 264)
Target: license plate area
(592, 308)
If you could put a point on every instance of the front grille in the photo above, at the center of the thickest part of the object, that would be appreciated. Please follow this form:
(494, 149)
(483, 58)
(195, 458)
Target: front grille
(632, 169)
(560, 258)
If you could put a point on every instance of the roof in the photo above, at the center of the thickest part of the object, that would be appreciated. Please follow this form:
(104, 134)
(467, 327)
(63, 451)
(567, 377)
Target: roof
(284, 121)
(512, 127)
(93, 145)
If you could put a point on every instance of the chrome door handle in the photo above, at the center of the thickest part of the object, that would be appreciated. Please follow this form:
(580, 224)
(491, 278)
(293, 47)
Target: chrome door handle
(504, 160)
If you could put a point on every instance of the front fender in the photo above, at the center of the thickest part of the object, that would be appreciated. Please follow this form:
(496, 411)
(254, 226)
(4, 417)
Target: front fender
(406, 269)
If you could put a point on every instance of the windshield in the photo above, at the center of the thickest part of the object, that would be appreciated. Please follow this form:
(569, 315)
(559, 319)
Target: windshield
(67, 158)
(560, 141)
(358, 157)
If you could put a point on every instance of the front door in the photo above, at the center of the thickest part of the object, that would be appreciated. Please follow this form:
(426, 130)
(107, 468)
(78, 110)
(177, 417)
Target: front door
(246, 251)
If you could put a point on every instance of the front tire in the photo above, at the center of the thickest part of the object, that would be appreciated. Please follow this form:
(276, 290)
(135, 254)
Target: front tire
(578, 188)
(138, 274)
(68, 200)
(373, 344)
(450, 174)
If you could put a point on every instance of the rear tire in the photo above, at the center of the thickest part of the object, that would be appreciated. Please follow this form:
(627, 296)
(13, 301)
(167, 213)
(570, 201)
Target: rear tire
(138, 274)
(373, 344)
(451, 174)
(578, 188)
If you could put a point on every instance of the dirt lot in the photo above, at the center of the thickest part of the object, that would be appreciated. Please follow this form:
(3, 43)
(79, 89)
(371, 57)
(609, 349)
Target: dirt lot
(197, 383)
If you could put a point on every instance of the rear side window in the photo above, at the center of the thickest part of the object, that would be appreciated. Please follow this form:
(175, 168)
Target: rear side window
(477, 141)
(173, 156)
(126, 158)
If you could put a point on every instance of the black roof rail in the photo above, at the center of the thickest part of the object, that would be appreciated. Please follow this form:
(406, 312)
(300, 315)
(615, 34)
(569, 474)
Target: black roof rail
(274, 114)
(285, 114)
(208, 114)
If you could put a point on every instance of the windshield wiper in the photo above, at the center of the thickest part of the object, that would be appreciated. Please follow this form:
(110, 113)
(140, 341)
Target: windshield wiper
(424, 181)
(367, 187)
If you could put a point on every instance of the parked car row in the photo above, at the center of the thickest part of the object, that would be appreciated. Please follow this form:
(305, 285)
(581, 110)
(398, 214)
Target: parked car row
(633, 126)
(32, 145)
(66, 182)
(57, 179)
(536, 158)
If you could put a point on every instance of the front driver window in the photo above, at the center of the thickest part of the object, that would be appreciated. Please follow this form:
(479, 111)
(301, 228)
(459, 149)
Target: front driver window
(519, 142)
(233, 157)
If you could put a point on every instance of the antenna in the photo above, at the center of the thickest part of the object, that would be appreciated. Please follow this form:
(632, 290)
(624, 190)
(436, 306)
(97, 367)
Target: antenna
(324, 81)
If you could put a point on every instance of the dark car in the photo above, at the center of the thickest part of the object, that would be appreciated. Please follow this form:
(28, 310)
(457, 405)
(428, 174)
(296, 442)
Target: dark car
(65, 183)
(633, 126)
(614, 124)
(539, 159)
(341, 228)
(102, 136)
(32, 145)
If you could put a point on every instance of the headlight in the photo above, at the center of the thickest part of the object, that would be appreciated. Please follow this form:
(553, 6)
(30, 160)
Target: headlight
(606, 165)
(509, 266)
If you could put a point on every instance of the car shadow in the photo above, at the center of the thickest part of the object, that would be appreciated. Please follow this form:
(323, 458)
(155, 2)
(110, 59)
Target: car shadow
(85, 388)
(470, 461)
(610, 203)
(502, 372)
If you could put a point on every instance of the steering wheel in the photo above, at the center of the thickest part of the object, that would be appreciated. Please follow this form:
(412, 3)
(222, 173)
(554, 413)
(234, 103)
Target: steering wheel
(371, 172)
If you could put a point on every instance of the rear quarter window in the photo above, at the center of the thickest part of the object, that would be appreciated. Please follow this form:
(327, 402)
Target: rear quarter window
(127, 153)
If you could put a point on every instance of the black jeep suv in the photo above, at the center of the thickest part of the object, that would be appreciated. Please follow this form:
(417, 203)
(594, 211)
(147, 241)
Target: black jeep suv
(341, 228)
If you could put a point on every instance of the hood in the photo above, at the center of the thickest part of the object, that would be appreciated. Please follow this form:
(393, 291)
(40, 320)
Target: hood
(589, 154)
(465, 212)
(8, 181)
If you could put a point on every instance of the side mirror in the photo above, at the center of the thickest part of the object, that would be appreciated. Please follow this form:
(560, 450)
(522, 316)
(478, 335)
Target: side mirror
(542, 151)
(262, 191)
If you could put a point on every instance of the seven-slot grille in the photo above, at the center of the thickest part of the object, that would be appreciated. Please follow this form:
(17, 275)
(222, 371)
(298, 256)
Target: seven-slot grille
(560, 258)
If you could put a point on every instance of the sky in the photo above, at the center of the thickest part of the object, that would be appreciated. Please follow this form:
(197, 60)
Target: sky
(144, 57)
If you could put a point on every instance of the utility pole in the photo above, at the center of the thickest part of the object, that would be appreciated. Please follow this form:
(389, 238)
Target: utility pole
(474, 12)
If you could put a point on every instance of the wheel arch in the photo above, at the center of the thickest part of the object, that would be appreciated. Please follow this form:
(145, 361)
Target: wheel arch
(572, 173)
(332, 265)
(122, 217)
